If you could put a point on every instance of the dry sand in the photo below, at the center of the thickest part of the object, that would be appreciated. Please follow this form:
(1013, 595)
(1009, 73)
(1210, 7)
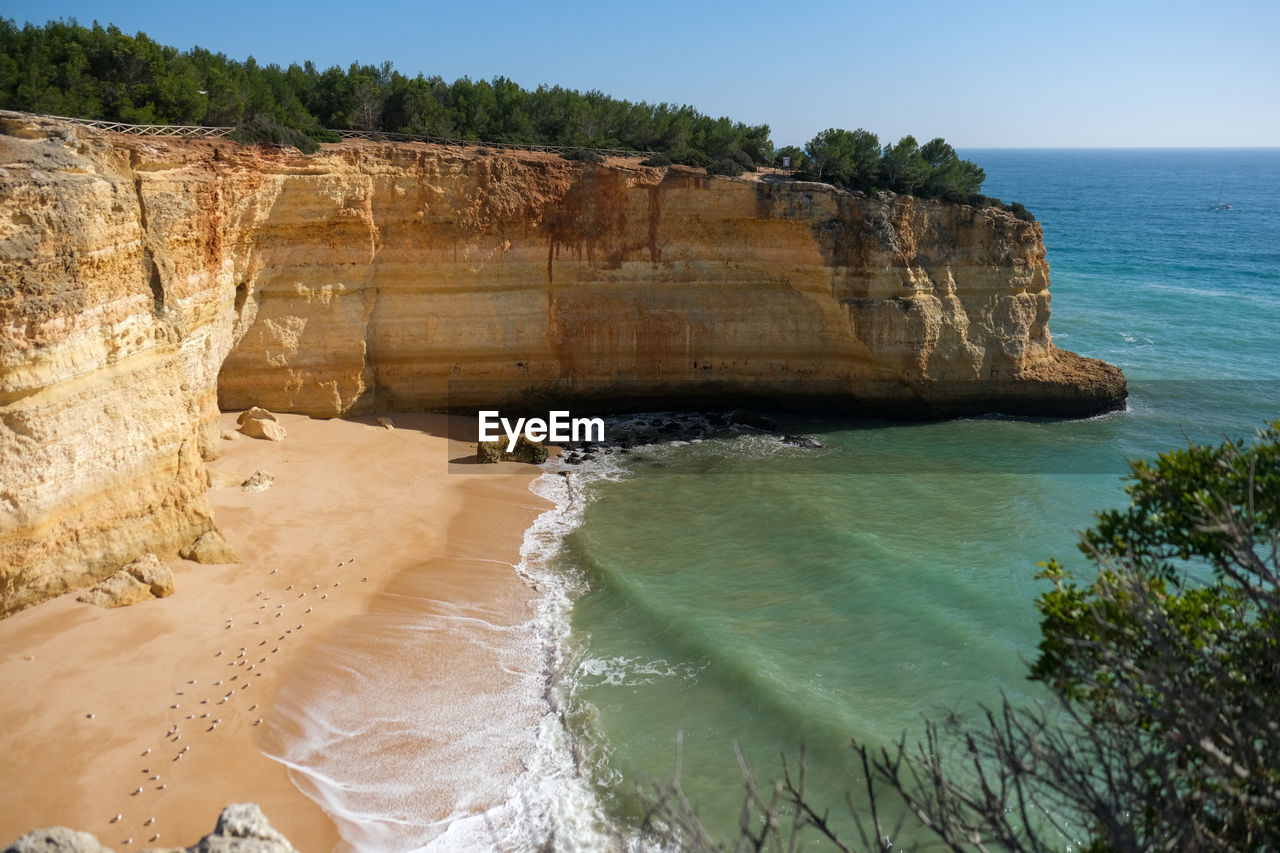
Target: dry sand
(357, 517)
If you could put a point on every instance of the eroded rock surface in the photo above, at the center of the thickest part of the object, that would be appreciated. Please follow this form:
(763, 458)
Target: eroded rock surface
(210, 547)
(141, 580)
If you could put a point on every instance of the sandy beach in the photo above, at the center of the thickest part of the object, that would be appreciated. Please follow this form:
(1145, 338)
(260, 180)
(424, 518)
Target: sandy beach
(161, 712)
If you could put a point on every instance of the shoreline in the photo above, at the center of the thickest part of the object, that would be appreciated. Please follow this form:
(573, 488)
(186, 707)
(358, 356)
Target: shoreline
(419, 523)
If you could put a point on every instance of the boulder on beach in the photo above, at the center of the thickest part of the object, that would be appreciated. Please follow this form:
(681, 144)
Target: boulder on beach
(269, 429)
(57, 839)
(255, 413)
(488, 452)
(525, 450)
(156, 575)
(210, 548)
(532, 452)
(243, 828)
(259, 482)
(141, 580)
(119, 590)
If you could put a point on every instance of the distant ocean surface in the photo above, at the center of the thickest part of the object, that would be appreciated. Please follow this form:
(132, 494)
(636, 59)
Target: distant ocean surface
(742, 590)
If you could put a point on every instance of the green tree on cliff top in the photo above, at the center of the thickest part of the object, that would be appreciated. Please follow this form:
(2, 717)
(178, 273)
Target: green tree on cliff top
(94, 72)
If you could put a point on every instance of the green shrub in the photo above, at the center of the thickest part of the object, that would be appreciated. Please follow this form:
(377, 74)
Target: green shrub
(725, 166)
(323, 134)
(1018, 210)
(692, 158)
(264, 130)
(743, 160)
(658, 159)
(584, 155)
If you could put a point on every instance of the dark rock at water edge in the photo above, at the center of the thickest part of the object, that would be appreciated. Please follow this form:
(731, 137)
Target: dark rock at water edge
(743, 417)
(525, 450)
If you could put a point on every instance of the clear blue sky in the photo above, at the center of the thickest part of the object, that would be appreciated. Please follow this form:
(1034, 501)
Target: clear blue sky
(1031, 73)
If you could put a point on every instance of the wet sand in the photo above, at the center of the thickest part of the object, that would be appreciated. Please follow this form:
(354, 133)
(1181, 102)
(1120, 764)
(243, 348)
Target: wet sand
(161, 711)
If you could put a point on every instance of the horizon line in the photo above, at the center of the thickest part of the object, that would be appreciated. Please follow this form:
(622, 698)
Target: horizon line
(1118, 147)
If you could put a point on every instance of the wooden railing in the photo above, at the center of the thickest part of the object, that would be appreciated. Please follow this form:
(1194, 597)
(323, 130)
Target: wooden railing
(192, 131)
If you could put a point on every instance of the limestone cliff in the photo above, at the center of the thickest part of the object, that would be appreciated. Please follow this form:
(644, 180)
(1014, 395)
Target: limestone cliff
(145, 282)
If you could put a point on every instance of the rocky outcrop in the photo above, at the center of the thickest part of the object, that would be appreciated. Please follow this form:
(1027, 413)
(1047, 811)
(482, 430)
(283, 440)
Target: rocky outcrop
(114, 321)
(210, 547)
(241, 828)
(533, 452)
(142, 580)
(270, 430)
(260, 481)
(156, 575)
(144, 282)
(57, 839)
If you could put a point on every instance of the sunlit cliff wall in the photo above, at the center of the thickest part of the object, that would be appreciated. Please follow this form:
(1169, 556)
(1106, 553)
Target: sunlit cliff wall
(145, 282)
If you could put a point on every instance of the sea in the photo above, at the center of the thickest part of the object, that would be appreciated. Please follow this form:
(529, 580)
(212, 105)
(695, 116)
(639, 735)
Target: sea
(732, 601)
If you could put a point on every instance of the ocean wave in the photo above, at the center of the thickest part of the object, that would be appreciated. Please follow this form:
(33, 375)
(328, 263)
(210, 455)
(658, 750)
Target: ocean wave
(553, 802)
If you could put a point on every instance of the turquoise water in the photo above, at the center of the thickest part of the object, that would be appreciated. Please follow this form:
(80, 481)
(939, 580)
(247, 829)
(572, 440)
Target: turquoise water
(742, 590)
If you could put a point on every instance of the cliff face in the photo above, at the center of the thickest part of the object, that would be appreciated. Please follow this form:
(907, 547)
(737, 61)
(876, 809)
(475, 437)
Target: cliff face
(114, 320)
(407, 276)
(145, 282)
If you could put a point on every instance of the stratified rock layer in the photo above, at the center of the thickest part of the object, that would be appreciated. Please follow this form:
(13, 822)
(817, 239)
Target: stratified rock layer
(145, 282)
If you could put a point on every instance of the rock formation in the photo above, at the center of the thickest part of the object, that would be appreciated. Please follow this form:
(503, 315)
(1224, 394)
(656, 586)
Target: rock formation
(210, 547)
(241, 828)
(533, 452)
(141, 580)
(260, 481)
(144, 282)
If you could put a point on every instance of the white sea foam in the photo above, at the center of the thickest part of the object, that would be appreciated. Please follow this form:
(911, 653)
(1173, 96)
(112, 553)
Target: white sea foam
(629, 672)
(551, 803)
(404, 759)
